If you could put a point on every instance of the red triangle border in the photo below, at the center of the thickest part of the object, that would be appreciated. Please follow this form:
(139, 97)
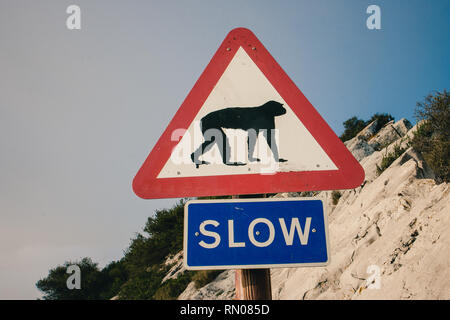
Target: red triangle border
(349, 175)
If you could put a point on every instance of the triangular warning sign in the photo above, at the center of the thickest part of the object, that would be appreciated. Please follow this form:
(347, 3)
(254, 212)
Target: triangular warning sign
(245, 128)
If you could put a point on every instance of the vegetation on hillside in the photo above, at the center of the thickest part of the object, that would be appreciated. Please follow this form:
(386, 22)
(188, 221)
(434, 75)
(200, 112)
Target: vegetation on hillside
(390, 157)
(95, 284)
(432, 138)
(354, 125)
(137, 275)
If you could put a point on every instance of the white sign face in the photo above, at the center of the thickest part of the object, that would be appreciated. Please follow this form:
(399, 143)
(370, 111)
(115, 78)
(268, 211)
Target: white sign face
(243, 85)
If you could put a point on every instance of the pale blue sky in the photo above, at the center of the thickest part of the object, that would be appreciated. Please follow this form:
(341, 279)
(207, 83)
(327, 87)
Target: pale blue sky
(80, 110)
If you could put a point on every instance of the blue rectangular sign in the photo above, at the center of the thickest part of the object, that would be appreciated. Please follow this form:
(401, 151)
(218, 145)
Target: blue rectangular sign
(255, 233)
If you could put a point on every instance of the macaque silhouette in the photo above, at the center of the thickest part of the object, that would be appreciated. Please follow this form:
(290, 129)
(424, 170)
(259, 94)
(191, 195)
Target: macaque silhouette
(251, 119)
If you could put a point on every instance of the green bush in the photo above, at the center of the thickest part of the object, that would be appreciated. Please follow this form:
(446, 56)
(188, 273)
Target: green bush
(137, 275)
(145, 256)
(382, 119)
(95, 284)
(354, 125)
(142, 285)
(432, 138)
(389, 158)
(165, 236)
(172, 288)
(203, 277)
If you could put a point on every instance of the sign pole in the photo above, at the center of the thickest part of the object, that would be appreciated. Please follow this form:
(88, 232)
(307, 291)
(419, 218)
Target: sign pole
(253, 284)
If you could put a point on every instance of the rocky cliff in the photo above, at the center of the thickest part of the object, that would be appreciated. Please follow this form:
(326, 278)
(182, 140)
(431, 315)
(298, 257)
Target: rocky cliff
(388, 237)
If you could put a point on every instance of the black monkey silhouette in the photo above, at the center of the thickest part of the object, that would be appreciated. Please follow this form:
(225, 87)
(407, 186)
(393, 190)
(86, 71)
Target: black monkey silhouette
(250, 119)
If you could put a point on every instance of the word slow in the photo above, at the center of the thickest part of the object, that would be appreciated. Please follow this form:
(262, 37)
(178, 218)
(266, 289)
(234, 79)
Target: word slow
(288, 235)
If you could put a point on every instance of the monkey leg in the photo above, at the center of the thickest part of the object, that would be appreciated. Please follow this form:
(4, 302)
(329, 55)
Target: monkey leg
(209, 138)
(251, 143)
(271, 141)
(212, 136)
(224, 146)
(225, 149)
(203, 148)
